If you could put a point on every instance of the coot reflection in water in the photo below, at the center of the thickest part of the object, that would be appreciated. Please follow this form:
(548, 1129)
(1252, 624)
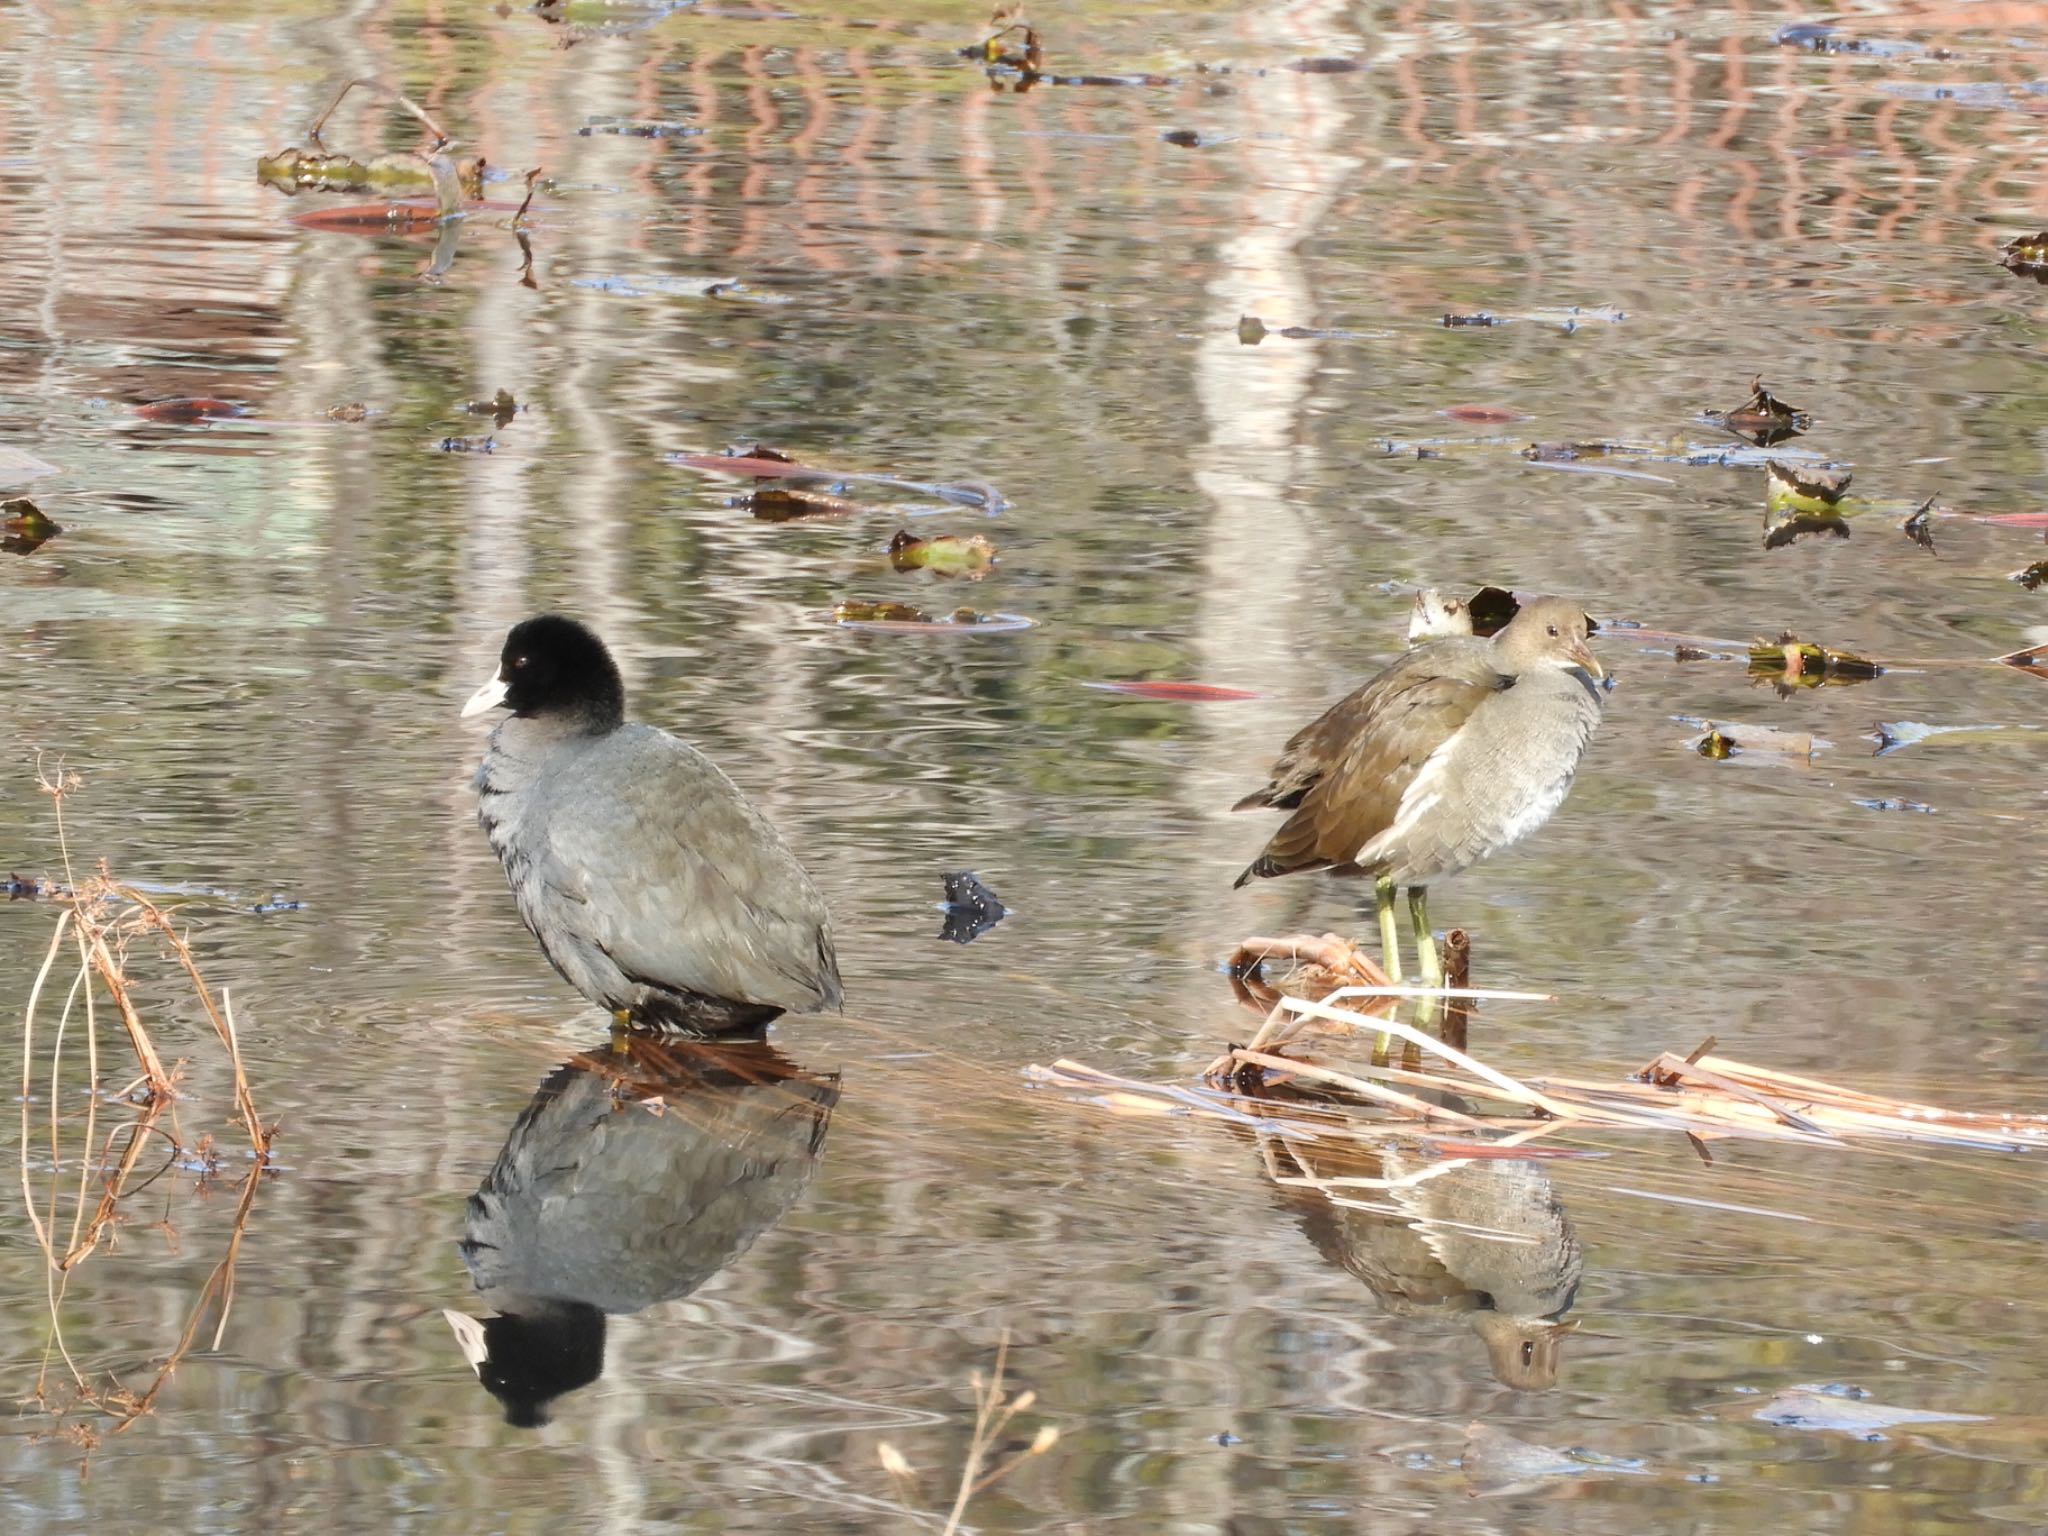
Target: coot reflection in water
(641, 1168)
(1485, 1239)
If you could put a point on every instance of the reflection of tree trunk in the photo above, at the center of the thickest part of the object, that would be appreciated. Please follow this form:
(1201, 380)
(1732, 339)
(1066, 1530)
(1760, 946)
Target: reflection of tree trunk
(1259, 548)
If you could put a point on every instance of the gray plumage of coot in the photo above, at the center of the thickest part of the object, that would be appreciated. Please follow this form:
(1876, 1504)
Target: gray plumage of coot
(640, 1169)
(652, 884)
(1460, 748)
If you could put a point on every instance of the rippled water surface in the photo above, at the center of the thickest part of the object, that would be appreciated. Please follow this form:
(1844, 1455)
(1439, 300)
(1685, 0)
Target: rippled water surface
(252, 637)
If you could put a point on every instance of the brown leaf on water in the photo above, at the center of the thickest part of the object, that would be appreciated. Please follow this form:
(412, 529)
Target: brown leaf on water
(1920, 526)
(501, 407)
(2027, 256)
(294, 170)
(1566, 453)
(2034, 660)
(24, 528)
(1805, 487)
(862, 611)
(193, 409)
(355, 410)
(1808, 665)
(946, 555)
(790, 504)
(2032, 576)
(1763, 418)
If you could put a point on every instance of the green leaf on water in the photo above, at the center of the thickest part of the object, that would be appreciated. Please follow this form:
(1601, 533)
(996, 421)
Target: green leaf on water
(946, 555)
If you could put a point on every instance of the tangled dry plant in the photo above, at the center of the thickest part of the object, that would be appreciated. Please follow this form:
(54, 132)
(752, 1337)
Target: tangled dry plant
(99, 923)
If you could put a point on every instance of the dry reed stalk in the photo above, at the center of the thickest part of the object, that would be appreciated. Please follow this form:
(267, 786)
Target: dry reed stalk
(98, 920)
(993, 1411)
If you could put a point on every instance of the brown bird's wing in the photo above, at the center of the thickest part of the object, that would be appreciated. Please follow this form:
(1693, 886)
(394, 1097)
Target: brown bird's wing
(1345, 773)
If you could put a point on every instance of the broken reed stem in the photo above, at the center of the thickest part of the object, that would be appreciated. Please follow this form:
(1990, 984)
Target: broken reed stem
(223, 1018)
(397, 97)
(992, 1414)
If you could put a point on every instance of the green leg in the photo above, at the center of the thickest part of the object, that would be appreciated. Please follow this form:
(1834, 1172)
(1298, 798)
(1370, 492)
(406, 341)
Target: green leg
(1425, 939)
(1390, 937)
(1427, 957)
(1390, 956)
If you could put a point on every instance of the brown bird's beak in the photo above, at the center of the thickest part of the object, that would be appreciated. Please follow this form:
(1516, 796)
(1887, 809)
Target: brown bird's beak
(1582, 655)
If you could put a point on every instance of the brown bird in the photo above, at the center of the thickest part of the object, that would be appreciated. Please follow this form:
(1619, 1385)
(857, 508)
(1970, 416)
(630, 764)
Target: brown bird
(1460, 748)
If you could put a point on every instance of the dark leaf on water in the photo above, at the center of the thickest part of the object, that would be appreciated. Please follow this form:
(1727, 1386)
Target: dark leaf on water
(1480, 317)
(791, 504)
(1920, 526)
(23, 526)
(1763, 418)
(2027, 256)
(1251, 330)
(971, 908)
(1782, 529)
(1185, 138)
(501, 406)
(1325, 66)
(467, 444)
(946, 555)
(1694, 653)
(2032, 576)
(1894, 804)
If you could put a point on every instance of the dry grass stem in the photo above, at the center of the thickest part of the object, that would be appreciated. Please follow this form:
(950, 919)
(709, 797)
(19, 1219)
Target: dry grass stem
(93, 1174)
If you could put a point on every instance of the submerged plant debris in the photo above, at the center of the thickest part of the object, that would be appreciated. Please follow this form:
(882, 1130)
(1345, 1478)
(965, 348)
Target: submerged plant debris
(1721, 740)
(946, 555)
(794, 504)
(1496, 1464)
(187, 410)
(971, 908)
(1804, 499)
(904, 618)
(1808, 665)
(1918, 526)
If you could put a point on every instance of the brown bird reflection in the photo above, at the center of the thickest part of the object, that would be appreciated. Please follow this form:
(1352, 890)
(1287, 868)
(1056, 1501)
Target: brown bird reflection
(641, 1169)
(1485, 1238)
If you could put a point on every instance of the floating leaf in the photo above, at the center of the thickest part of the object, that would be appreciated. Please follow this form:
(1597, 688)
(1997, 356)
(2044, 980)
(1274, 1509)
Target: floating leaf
(1763, 418)
(1809, 665)
(1482, 413)
(303, 170)
(946, 555)
(1479, 318)
(1176, 692)
(1251, 330)
(467, 444)
(501, 406)
(1565, 453)
(1805, 487)
(902, 618)
(1894, 804)
(1849, 1411)
(1896, 735)
(23, 527)
(194, 409)
(791, 504)
(2027, 256)
(971, 908)
(2033, 659)
(354, 411)
(1725, 739)
(18, 468)
(1920, 526)
(2032, 576)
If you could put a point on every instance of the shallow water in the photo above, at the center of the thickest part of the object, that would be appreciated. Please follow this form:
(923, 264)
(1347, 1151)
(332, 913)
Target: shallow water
(253, 635)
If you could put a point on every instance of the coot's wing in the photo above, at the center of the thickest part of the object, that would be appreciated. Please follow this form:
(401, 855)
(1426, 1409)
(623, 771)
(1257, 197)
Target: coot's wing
(683, 883)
